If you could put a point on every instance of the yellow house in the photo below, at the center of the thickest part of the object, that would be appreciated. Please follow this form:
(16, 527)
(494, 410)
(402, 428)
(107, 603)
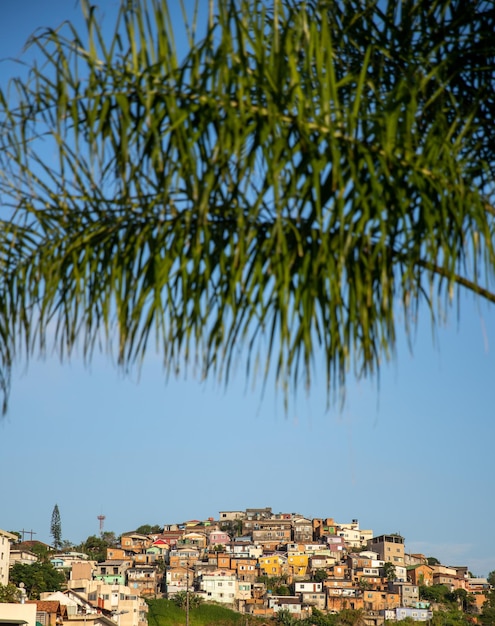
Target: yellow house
(298, 563)
(271, 565)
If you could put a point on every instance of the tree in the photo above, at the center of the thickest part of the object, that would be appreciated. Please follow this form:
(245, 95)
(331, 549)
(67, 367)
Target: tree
(66, 545)
(180, 599)
(110, 538)
(285, 617)
(56, 528)
(389, 571)
(318, 618)
(148, 529)
(464, 600)
(351, 617)
(491, 578)
(433, 561)
(434, 593)
(301, 173)
(320, 575)
(37, 578)
(95, 547)
(9, 593)
(41, 551)
(488, 611)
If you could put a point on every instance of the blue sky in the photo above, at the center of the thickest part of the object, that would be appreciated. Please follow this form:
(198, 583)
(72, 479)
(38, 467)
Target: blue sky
(414, 455)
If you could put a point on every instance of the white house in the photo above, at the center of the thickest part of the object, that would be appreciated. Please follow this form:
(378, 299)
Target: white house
(5, 539)
(219, 586)
(308, 587)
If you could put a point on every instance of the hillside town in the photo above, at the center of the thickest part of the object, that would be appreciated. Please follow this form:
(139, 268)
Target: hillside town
(254, 561)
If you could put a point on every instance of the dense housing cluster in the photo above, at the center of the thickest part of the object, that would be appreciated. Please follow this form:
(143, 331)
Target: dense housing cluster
(258, 563)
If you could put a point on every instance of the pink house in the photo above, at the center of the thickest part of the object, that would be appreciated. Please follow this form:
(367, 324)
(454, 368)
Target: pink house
(218, 537)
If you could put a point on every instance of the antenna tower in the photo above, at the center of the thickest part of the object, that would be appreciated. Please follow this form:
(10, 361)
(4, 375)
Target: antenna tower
(101, 519)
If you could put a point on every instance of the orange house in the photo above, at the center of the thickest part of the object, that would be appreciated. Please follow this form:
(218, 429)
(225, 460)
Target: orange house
(223, 561)
(116, 554)
(337, 602)
(246, 569)
(380, 600)
(420, 575)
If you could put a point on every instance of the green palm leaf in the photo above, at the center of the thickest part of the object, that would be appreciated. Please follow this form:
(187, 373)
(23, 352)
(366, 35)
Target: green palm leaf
(304, 170)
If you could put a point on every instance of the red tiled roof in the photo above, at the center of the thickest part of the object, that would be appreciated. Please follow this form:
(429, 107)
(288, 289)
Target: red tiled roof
(48, 606)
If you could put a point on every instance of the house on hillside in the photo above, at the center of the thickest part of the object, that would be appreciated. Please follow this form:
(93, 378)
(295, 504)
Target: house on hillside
(417, 615)
(135, 542)
(76, 604)
(245, 568)
(219, 586)
(302, 530)
(160, 547)
(6, 539)
(192, 539)
(183, 557)
(119, 554)
(178, 579)
(26, 557)
(420, 574)
(390, 548)
(218, 538)
(318, 561)
(145, 580)
(292, 604)
(408, 593)
(273, 565)
(297, 562)
(112, 599)
(272, 532)
(64, 562)
(231, 516)
(112, 572)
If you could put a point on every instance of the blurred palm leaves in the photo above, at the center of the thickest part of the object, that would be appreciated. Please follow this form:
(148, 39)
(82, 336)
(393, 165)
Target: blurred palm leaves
(278, 191)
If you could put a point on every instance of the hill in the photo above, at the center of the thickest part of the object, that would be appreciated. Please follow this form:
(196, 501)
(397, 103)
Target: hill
(166, 613)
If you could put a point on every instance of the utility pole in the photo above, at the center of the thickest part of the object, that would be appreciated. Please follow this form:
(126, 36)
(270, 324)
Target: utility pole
(187, 593)
(27, 532)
